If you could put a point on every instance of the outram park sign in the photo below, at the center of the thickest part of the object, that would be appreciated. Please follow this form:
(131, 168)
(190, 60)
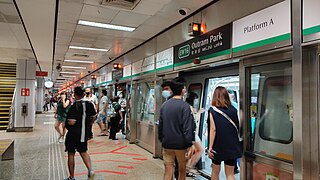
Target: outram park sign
(212, 42)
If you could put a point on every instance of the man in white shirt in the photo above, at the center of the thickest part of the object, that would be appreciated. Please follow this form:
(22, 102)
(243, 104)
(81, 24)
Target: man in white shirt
(93, 99)
(102, 116)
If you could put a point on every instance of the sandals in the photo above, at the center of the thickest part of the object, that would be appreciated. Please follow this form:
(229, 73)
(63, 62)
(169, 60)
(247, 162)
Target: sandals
(190, 174)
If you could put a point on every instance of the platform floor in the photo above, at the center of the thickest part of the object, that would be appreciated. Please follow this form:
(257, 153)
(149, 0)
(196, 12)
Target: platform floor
(39, 155)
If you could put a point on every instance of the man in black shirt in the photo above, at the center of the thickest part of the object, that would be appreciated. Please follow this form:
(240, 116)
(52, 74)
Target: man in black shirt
(79, 118)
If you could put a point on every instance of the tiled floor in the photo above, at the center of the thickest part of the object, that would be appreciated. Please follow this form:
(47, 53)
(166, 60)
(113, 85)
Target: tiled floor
(38, 155)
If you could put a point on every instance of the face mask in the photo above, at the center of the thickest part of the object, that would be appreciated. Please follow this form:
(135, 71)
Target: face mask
(120, 96)
(87, 93)
(166, 94)
(196, 103)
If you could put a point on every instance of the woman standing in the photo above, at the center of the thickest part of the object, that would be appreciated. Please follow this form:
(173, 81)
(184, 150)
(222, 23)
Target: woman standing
(61, 115)
(116, 120)
(224, 144)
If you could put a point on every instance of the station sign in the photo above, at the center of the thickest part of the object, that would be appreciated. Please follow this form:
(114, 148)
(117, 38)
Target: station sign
(266, 27)
(164, 59)
(25, 92)
(117, 74)
(127, 71)
(148, 65)
(212, 42)
(42, 73)
(311, 20)
(136, 67)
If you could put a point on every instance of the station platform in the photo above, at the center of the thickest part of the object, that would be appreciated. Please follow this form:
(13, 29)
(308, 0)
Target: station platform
(39, 155)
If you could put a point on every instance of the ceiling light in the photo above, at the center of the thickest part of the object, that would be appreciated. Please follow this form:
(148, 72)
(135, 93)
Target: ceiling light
(73, 67)
(65, 72)
(69, 76)
(78, 61)
(87, 48)
(106, 26)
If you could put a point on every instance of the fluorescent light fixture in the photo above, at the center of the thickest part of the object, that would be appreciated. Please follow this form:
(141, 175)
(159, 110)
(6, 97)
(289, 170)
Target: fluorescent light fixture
(78, 61)
(69, 76)
(87, 48)
(65, 72)
(106, 26)
(73, 67)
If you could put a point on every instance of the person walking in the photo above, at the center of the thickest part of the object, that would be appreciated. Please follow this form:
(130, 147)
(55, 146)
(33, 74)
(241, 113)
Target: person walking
(116, 120)
(60, 115)
(193, 101)
(79, 118)
(102, 116)
(224, 139)
(176, 130)
(94, 100)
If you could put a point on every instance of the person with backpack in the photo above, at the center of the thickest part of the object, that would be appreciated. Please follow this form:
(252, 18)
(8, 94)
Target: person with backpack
(115, 117)
(80, 118)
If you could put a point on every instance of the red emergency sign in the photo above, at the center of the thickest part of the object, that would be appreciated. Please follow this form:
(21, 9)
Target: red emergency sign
(25, 92)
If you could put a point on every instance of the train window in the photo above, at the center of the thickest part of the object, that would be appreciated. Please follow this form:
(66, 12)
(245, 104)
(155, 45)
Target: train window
(145, 109)
(194, 95)
(271, 110)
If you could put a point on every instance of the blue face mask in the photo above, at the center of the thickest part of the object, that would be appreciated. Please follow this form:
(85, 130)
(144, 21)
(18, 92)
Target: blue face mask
(196, 103)
(166, 94)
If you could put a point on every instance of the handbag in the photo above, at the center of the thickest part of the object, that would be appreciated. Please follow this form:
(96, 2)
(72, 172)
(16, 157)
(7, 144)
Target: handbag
(229, 119)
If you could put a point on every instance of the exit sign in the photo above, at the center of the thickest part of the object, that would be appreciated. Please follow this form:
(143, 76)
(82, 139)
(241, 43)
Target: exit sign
(42, 73)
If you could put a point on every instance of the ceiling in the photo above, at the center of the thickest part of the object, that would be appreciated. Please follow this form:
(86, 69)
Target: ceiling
(149, 17)
(14, 43)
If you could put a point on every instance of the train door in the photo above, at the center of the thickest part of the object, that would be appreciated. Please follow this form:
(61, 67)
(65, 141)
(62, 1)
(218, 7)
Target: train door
(202, 83)
(231, 83)
(268, 117)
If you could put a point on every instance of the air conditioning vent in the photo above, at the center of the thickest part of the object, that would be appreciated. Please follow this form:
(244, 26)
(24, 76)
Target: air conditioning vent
(125, 4)
(81, 55)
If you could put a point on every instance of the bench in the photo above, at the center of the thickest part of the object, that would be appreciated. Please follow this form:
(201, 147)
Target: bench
(6, 149)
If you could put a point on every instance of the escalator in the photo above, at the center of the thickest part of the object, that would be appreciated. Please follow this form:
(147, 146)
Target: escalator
(7, 86)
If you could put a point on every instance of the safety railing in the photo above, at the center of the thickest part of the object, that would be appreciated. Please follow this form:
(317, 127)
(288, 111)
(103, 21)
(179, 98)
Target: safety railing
(12, 113)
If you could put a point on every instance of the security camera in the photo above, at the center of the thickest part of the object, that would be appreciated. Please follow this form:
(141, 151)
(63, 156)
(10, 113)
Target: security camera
(58, 67)
(183, 11)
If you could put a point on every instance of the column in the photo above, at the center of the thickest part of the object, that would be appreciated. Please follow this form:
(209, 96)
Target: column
(40, 93)
(25, 95)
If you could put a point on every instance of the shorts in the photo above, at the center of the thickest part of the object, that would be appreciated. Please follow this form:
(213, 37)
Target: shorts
(231, 162)
(170, 154)
(61, 119)
(102, 118)
(73, 145)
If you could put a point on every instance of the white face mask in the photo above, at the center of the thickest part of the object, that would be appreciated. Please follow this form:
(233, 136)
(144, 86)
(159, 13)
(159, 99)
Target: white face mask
(120, 96)
(166, 94)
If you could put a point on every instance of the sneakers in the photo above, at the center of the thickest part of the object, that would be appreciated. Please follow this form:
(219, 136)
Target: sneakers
(69, 178)
(91, 174)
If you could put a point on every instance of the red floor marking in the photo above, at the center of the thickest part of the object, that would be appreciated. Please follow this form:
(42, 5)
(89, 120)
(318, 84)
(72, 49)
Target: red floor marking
(124, 153)
(118, 161)
(122, 147)
(125, 167)
(141, 159)
(101, 171)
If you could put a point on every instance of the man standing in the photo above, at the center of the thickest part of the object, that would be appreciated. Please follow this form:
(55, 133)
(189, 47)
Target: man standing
(80, 115)
(102, 116)
(176, 130)
(93, 99)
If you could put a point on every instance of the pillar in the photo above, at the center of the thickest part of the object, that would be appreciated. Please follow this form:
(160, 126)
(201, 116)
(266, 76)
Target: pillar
(25, 95)
(40, 93)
